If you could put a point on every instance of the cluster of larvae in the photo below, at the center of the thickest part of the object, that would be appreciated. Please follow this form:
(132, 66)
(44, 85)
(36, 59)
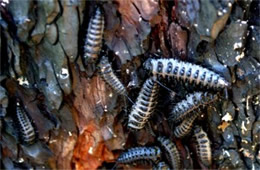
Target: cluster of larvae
(183, 114)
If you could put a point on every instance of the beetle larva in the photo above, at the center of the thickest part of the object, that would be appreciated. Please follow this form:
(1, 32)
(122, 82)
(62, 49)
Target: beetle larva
(172, 153)
(140, 153)
(185, 71)
(27, 133)
(187, 106)
(109, 76)
(203, 146)
(161, 166)
(94, 37)
(144, 105)
(184, 128)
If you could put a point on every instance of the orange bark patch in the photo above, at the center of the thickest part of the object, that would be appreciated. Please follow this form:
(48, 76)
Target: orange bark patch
(90, 151)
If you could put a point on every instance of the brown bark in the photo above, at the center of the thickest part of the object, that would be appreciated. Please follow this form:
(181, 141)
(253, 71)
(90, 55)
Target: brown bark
(81, 121)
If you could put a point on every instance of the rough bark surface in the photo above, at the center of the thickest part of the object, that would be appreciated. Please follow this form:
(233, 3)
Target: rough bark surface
(81, 121)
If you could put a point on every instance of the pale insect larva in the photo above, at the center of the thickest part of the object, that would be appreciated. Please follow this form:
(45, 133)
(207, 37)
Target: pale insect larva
(185, 71)
(109, 76)
(144, 105)
(171, 151)
(185, 127)
(26, 130)
(161, 166)
(203, 146)
(94, 37)
(192, 102)
(140, 153)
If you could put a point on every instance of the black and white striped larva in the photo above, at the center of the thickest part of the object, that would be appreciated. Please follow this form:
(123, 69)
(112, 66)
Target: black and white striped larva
(172, 153)
(109, 76)
(203, 146)
(26, 131)
(139, 154)
(185, 127)
(94, 37)
(189, 105)
(161, 166)
(185, 71)
(144, 105)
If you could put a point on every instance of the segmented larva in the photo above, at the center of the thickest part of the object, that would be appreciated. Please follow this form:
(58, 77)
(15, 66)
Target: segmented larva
(27, 133)
(140, 153)
(184, 128)
(172, 153)
(203, 146)
(94, 37)
(161, 166)
(185, 71)
(144, 106)
(192, 102)
(109, 76)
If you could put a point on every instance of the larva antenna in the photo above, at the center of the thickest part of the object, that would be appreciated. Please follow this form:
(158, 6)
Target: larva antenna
(129, 99)
(115, 166)
(125, 96)
(170, 90)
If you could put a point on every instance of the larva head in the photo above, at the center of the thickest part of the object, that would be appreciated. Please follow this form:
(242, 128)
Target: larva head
(162, 166)
(148, 64)
(158, 152)
(18, 102)
(223, 83)
(103, 61)
(197, 129)
(98, 10)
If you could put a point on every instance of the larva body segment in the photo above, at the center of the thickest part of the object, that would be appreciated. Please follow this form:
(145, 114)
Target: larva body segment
(172, 153)
(161, 166)
(203, 146)
(144, 106)
(188, 106)
(27, 133)
(185, 71)
(109, 76)
(185, 127)
(94, 37)
(140, 153)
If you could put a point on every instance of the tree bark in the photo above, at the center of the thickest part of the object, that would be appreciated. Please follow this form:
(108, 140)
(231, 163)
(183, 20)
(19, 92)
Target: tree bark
(81, 121)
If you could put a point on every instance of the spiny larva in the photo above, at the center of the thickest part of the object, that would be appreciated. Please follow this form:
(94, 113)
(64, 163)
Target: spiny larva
(26, 130)
(109, 76)
(185, 127)
(190, 105)
(171, 151)
(185, 71)
(140, 153)
(203, 146)
(94, 37)
(144, 105)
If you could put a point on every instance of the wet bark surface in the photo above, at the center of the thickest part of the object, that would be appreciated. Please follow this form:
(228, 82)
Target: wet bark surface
(80, 120)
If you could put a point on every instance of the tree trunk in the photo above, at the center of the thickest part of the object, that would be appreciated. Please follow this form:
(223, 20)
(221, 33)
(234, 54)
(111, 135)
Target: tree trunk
(81, 122)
